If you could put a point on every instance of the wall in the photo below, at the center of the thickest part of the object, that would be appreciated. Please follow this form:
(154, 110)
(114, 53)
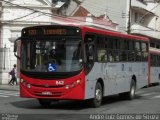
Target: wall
(117, 10)
(15, 18)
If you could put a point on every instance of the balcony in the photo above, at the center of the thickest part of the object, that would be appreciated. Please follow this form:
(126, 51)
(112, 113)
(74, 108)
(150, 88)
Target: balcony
(142, 30)
(142, 7)
(138, 4)
(152, 1)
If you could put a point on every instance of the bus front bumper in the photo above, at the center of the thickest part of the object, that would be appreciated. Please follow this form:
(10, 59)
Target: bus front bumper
(59, 93)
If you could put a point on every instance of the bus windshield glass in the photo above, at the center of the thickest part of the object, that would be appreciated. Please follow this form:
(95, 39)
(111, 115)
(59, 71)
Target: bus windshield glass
(59, 55)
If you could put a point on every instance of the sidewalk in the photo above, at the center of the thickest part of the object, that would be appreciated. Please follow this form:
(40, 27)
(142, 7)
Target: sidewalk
(9, 87)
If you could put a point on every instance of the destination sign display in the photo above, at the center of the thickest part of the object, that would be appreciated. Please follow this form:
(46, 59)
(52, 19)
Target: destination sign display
(55, 32)
(50, 32)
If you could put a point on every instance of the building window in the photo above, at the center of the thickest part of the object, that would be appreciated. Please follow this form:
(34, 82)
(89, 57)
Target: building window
(142, 1)
(136, 17)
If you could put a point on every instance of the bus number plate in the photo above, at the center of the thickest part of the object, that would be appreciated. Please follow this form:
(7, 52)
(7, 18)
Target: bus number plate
(46, 93)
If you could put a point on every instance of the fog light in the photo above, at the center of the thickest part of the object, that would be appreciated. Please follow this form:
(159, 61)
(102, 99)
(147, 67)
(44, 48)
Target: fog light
(28, 86)
(67, 86)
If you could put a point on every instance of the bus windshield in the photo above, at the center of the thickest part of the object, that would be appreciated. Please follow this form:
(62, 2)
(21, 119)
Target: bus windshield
(59, 55)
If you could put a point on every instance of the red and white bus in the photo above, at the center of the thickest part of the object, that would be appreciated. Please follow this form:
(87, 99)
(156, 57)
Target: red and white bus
(78, 63)
(154, 77)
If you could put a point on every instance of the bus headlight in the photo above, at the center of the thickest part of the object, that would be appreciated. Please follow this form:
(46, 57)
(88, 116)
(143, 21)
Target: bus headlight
(78, 81)
(27, 85)
(73, 84)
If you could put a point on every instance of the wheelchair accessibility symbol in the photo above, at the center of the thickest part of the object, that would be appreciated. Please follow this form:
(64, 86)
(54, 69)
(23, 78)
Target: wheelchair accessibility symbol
(51, 67)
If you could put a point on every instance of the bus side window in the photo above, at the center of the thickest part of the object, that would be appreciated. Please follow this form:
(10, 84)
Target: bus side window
(131, 53)
(102, 56)
(144, 52)
(100, 42)
(124, 55)
(106, 42)
(138, 51)
(152, 60)
(89, 52)
(110, 56)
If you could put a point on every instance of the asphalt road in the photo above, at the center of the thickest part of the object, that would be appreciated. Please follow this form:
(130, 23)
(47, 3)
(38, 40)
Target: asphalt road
(147, 101)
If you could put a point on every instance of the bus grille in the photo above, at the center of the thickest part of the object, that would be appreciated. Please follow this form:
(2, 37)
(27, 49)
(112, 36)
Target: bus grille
(48, 86)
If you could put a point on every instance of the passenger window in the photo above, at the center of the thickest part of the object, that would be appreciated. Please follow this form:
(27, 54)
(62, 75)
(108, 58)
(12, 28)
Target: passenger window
(123, 55)
(126, 44)
(131, 45)
(102, 56)
(122, 45)
(89, 52)
(110, 56)
(144, 47)
(137, 46)
(100, 42)
(116, 44)
(106, 42)
(131, 56)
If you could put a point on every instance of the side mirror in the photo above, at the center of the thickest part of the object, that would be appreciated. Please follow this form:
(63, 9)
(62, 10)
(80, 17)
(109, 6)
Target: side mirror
(16, 46)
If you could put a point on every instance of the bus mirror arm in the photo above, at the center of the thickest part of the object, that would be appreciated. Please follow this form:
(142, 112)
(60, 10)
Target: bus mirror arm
(16, 55)
(15, 47)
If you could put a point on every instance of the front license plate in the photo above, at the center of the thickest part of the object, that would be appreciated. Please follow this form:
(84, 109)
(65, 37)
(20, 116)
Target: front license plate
(46, 93)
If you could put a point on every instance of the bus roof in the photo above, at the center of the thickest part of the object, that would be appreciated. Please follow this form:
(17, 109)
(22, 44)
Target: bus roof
(113, 33)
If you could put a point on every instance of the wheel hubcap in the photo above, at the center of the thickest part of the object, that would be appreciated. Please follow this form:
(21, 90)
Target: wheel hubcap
(98, 95)
(132, 91)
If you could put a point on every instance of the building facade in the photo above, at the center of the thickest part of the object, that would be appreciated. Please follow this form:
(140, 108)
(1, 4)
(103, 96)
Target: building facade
(76, 12)
(145, 17)
(15, 15)
(140, 17)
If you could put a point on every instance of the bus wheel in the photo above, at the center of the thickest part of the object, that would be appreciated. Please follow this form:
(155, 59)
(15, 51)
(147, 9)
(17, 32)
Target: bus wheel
(131, 94)
(97, 100)
(44, 102)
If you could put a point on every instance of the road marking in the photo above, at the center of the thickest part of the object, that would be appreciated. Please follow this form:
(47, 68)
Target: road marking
(3, 96)
(9, 94)
(140, 92)
(148, 94)
(5, 93)
(158, 96)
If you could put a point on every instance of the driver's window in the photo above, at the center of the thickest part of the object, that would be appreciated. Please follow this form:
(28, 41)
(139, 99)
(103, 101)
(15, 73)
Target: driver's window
(89, 52)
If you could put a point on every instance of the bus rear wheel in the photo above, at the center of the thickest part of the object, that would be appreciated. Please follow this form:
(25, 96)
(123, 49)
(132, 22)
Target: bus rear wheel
(97, 100)
(131, 94)
(44, 102)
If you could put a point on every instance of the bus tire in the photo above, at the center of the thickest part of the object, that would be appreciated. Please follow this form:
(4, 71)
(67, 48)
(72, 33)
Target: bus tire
(131, 94)
(44, 102)
(97, 100)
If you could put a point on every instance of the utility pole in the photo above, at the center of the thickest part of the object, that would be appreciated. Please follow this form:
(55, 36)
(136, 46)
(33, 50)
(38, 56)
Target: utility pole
(129, 18)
